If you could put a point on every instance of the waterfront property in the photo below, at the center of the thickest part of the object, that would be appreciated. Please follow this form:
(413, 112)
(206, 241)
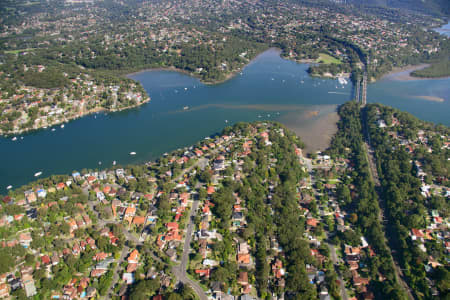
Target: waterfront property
(268, 89)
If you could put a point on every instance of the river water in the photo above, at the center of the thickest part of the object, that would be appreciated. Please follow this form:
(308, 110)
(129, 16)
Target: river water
(183, 111)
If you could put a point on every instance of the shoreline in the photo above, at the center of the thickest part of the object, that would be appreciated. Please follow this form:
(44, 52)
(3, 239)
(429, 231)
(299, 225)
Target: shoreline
(228, 75)
(72, 118)
(404, 73)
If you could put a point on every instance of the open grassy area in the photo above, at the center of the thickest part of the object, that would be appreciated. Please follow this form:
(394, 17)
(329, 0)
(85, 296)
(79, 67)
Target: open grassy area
(19, 50)
(327, 59)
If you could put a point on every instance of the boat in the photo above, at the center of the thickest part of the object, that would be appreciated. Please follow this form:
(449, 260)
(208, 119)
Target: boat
(21, 137)
(185, 89)
(99, 162)
(37, 174)
(132, 153)
(342, 80)
(114, 163)
(226, 121)
(62, 126)
(53, 129)
(186, 108)
(9, 187)
(302, 82)
(14, 138)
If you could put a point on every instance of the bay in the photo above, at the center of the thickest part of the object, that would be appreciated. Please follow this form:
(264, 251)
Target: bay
(183, 111)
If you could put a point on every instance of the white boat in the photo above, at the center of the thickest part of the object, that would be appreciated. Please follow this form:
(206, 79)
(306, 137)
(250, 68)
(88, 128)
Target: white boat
(14, 138)
(9, 187)
(21, 137)
(302, 82)
(342, 80)
(186, 108)
(226, 121)
(132, 153)
(185, 89)
(99, 162)
(114, 163)
(53, 129)
(62, 126)
(37, 174)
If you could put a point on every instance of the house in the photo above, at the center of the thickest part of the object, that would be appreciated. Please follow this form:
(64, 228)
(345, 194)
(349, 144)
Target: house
(28, 285)
(210, 190)
(416, 234)
(128, 278)
(4, 290)
(243, 278)
(41, 193)
(30, 196)
(312, 222)
(184, 197)
(172, 254)
(98, 272)
(91, 292)
(100, 256)
(60, 186)
(138, 220)
(243, 248)
(277, 269)
(15, 284)
(45, 259)
(172, 226)
(25, 239)
(219, 163)
(203, 272)
(243, 258)
(133, 257)
(132, 267)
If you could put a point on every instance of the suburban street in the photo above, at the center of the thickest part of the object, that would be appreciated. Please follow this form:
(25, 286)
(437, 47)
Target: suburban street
(116, 274)
(180, 270)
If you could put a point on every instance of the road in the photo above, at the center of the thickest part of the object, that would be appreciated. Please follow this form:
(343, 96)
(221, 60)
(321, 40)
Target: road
(116, 274)
(376, 180)
(335, 260)
(180, 270)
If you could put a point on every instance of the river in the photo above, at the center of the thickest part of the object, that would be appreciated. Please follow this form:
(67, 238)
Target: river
(183, 111)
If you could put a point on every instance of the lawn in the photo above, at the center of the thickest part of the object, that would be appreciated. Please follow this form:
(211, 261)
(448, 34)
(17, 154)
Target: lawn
(18, 51)
(327, 59)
